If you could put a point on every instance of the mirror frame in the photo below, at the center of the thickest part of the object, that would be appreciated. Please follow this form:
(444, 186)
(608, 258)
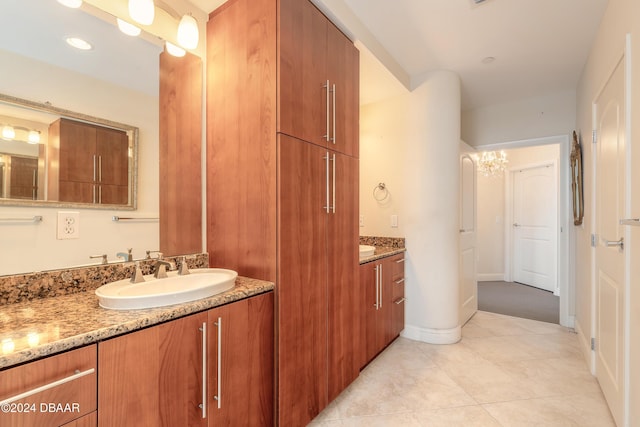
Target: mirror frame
(133, 165)
(576, 181)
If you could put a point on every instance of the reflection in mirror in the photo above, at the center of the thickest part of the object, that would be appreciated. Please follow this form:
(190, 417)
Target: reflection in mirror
(52, 155)
(118, 82)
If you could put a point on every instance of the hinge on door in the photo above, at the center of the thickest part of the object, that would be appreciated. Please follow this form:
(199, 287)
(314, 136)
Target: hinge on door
(593, 240)
(593, 344)
(594, 136)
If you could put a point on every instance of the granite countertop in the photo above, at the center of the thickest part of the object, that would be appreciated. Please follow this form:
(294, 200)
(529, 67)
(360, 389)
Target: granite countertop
(43, 327)
(381, 252)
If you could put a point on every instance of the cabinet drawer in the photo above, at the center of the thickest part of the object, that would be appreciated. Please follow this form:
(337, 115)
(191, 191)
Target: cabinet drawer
(397, 266)
(51, 391)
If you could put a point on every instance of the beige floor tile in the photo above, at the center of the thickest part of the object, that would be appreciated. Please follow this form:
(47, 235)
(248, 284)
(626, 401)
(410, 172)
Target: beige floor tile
(579, 411)
(466, 416)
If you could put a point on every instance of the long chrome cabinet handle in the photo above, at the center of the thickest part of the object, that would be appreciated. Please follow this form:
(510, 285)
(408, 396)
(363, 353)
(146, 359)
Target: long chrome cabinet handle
(326, 136)
(333, 208)
(45, 387)
(381, 287)
(218, 396)
(203, 405)
(327, 207)
(94, 168)
(94, 193)
(377, 288)
(333, 139)
(99, 168)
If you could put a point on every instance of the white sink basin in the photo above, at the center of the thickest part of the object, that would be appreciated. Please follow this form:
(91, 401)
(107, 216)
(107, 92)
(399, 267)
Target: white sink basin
(366, 250)
(174, 289)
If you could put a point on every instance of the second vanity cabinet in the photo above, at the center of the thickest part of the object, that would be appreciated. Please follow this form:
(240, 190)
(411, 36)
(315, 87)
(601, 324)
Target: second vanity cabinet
(207, 369)
(61, 390)
(382, 305)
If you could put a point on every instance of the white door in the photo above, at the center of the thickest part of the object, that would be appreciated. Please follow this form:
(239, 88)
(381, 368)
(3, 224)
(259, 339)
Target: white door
(535, 231)
(610, 205)
(468, 255)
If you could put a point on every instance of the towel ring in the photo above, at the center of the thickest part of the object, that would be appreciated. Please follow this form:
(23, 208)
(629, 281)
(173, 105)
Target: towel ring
(380, 192)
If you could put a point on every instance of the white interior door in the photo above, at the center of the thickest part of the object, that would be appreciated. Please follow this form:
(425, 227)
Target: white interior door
(535, 230)
(468, 252)
(610, 260)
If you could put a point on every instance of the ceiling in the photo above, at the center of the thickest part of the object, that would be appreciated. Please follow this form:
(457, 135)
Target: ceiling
(539, 46)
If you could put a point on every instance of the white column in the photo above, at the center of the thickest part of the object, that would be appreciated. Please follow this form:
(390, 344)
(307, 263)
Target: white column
(432, 209)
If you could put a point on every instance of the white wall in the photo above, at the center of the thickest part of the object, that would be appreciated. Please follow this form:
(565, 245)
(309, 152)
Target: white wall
(33, 247)
(492, 209)
(541, 116)
(621, 18)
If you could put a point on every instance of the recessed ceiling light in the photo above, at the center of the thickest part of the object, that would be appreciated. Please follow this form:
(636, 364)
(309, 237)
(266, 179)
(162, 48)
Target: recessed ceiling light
(488, 60)
(79, 43)
(71, 3)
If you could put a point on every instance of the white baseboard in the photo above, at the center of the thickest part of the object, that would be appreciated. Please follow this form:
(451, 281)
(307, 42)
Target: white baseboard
(585, 347)
(490, 277)
(569, 322)
(433, 336)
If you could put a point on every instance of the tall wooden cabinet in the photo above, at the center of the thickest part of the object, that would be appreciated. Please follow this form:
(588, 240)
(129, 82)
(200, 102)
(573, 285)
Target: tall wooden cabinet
(282, 184)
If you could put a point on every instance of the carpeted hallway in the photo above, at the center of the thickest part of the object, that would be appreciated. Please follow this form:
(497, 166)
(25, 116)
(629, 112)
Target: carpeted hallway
(515, 299)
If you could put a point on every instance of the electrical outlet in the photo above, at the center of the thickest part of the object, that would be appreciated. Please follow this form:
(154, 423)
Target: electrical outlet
(68, 225)
(361, 220)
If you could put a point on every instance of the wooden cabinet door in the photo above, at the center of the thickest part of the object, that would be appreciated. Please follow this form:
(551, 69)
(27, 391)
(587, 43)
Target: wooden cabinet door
(112, 149)
(303, 98)
(301, 290)
(78, 161)
(24, 178)
(369, 342)
(89, 420)
(342, 279)
(386, 302)
(153, 377)
(343, 68)
(240, 363)
(75, 392)
(77, 192)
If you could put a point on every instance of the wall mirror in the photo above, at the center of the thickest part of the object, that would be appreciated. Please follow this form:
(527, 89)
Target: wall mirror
(576, 181)
(51, 156)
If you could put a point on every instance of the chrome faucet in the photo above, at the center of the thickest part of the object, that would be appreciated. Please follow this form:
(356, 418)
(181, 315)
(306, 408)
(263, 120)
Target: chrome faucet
(137, 276)
(161, 268)
(128, 256)
(184, 268)
(103, 256)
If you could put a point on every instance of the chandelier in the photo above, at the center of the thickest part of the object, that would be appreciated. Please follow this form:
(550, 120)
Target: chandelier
(492, 164)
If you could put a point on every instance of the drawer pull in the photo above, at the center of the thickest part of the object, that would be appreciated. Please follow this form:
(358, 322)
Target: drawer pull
(399, 281)
(399, 261)
(400, 301)
(45, 387)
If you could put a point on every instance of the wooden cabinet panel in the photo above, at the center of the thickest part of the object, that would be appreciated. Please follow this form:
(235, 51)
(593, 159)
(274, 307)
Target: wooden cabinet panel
(241, 340)
(180, 154)
(71, 399)
(78, 161)
(396, 283)
(114, 195)
(24, 178)
(369, 323)
(112, 149)
(301, 290)
(153, 377)
(80, 192)
(89, 420)
(342, 276)
(303, 97)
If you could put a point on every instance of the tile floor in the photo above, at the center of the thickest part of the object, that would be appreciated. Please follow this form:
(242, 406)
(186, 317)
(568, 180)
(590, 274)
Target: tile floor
(506, 371)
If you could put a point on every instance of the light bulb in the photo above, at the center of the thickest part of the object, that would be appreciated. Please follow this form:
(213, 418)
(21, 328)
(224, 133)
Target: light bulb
(34, 137)
(79, 43)
(74, 4)
(188, 32)
(128, 29)
(8, 132)
(142, 11)
(174, 50)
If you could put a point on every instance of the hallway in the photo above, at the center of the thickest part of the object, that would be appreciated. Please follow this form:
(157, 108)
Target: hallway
(506, 371)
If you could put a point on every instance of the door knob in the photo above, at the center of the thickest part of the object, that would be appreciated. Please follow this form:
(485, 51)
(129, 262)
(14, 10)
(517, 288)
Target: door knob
(612, 243)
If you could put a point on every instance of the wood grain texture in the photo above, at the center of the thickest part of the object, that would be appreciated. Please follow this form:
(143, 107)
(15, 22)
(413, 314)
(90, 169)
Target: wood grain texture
(301, 285)
(302, 71)
(241, 133)
(180, 154)
(89, 420)
(36, 374)
(153, 377)
(369, 323)
(397, 297)
(247, 350)
(342, 278)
